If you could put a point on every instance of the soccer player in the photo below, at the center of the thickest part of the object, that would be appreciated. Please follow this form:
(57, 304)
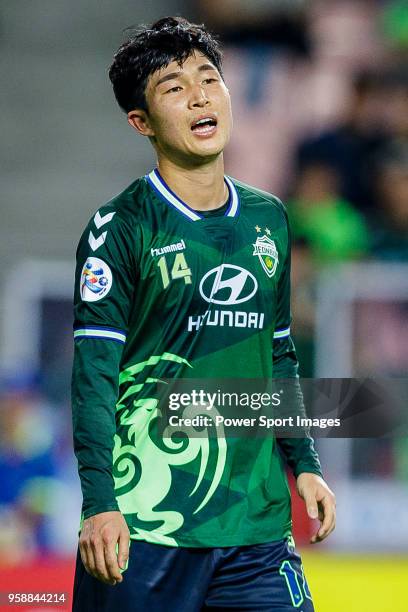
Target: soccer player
(185, 274)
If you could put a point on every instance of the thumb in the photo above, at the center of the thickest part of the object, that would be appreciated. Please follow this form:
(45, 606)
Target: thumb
(311, 505)
(123, 549)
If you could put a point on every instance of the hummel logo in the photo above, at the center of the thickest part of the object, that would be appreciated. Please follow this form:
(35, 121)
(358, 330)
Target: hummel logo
(169, 248)
(95, 243)
(99, 221)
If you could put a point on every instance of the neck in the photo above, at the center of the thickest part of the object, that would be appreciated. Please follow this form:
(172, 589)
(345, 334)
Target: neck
(202, 188)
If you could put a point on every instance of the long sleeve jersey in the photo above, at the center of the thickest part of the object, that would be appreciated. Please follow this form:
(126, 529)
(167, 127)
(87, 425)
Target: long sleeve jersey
(165, 292)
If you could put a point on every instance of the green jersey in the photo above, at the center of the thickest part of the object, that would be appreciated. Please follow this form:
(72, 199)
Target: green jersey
(163, 291)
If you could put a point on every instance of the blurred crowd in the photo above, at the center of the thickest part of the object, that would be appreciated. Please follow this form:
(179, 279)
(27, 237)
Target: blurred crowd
(320, 100)
(39, 493)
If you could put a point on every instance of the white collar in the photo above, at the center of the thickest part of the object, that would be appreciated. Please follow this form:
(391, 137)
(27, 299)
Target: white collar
(160, 186)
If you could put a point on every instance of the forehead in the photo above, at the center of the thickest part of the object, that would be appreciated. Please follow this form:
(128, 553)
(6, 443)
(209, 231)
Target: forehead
(191, 64)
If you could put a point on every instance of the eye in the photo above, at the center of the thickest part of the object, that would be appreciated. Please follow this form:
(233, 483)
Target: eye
(175, 88)
(210, 80)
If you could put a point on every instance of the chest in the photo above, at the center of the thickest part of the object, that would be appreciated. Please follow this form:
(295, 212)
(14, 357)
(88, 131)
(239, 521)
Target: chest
(229, 263)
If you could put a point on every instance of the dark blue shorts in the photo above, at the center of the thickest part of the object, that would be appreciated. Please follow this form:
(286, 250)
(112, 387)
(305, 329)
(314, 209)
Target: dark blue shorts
(166, 579)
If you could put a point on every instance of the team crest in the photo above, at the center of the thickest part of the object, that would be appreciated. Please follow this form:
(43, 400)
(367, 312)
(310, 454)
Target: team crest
(268, 255)
(96, 280)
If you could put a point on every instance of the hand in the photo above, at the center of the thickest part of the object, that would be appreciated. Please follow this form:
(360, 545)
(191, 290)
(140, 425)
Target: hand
(320, 503)
(97, 544)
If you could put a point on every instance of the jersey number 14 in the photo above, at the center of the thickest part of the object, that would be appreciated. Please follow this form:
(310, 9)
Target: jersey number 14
(180, 269)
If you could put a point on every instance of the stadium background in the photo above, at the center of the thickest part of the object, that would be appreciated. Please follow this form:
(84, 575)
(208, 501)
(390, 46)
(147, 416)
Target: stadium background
(320, 99)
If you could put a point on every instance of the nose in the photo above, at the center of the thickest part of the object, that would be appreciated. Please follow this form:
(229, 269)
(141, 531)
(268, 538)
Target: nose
(198, 97)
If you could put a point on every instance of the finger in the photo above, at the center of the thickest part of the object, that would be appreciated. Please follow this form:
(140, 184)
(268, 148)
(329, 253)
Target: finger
(84, 549)
(101, 571)
(319, 538)
(123, 550)
(84, 556)
(332, 526)
(111, 561)
(311, 505)
(88, 557)
(328, 520)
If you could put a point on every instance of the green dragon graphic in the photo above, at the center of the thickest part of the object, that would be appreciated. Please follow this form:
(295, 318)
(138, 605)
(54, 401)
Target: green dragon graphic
(142, 466)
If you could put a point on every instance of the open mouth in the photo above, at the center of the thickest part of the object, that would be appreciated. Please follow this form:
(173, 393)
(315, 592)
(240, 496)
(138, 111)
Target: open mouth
(204, 125)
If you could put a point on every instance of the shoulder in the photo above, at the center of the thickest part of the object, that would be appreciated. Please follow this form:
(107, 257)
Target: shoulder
(120, 215)
(253, 195)
(114, 226)
(124, 209)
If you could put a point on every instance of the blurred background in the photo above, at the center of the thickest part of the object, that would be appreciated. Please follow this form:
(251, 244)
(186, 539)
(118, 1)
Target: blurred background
(320, 101)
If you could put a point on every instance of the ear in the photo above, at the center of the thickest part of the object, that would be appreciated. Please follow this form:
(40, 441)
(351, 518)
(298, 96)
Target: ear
(139, 120)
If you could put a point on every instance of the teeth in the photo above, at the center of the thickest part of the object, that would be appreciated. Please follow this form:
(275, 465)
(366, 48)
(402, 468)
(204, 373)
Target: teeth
(203, 121)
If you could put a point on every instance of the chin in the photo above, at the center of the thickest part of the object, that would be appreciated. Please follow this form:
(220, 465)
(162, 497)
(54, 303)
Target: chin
(207, 156)
(209, 149)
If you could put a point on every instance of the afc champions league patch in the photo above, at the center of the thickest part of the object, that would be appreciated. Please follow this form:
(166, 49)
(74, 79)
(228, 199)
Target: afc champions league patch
(266, 250)
(96, 280)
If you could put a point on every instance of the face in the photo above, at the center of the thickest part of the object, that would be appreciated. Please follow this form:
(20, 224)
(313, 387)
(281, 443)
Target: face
(189, 116)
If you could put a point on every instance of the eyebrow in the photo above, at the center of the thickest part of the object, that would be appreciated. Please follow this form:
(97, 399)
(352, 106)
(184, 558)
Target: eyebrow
(176, 75)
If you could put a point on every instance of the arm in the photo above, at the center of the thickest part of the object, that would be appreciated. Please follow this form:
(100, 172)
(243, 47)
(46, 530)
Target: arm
(104, 288)
(94, 393)
(299, 453)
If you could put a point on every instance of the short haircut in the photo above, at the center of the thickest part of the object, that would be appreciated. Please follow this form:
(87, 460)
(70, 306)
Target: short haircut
(152, 48)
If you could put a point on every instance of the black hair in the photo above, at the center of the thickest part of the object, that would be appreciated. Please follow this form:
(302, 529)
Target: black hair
(154, 47)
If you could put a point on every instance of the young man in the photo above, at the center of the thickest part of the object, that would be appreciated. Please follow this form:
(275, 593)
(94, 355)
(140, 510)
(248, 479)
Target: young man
(184, 274)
